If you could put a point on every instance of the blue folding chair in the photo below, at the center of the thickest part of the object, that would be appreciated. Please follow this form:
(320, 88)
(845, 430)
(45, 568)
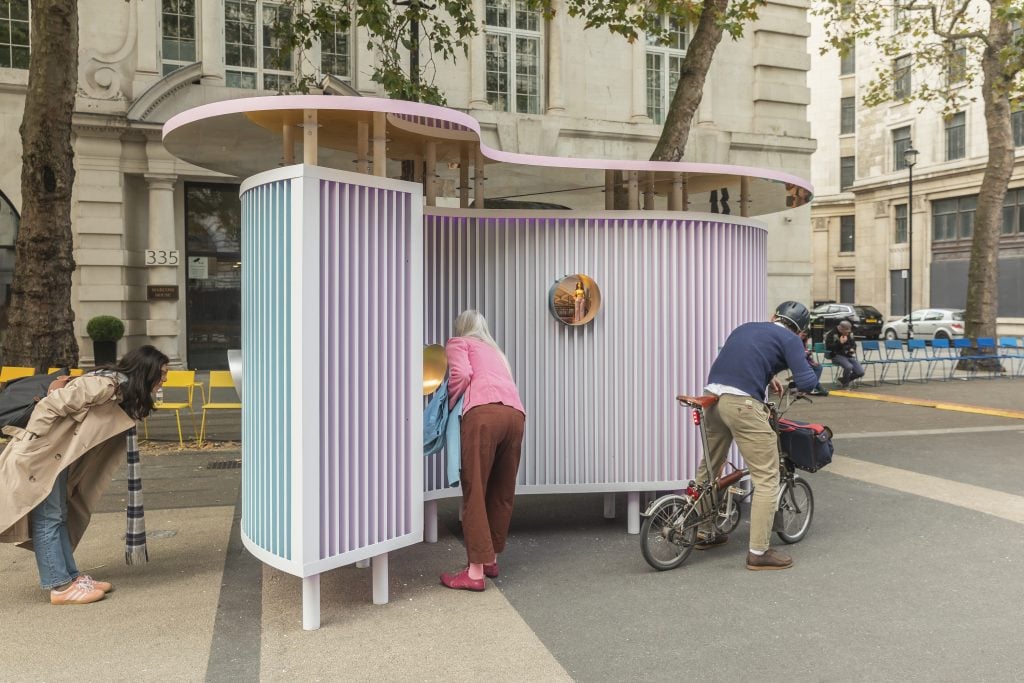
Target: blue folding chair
(1013, 352)
(871, 357)
(916, 357)
(942, 352)
(894, 358)
(993, 360)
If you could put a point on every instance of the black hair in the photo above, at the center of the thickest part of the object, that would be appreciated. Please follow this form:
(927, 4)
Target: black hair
(143, 367)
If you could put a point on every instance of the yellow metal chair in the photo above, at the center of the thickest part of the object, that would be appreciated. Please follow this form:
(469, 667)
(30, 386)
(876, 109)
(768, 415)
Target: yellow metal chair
(184, 380)
(9, 372)
(73, 372)
(219, 379)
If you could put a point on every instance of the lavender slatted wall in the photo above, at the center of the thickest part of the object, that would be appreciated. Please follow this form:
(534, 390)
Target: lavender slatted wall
(601, 414)
(367, 478)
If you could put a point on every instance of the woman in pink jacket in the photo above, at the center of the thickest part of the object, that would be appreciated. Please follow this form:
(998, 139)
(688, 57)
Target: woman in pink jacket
(492, 435)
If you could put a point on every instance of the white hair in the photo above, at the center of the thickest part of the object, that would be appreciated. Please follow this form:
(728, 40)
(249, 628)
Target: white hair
(471, 323)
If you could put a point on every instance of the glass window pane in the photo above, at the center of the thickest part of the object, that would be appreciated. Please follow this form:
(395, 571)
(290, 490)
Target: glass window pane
(496, 13)
(169, 48)
(526, 18)
(655, 109)
(19, 57)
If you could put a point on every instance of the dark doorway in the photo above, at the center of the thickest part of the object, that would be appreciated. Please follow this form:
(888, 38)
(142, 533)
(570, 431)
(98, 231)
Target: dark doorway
(213, 261)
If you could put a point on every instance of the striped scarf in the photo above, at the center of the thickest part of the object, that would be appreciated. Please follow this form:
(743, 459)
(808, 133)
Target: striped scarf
(135, 537)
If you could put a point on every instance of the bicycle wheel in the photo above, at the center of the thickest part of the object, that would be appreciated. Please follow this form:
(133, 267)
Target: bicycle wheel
(797, 506)
(668, 534)
(725, 524)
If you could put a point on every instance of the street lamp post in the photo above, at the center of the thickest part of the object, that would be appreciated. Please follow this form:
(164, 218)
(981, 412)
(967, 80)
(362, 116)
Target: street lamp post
(910, 159)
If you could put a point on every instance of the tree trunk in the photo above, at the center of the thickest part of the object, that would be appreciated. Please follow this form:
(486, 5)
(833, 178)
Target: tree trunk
(40, 320)
(983, 273)
(690, 88)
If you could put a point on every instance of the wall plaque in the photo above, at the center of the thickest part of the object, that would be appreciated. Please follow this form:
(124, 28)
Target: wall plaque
(162, 292)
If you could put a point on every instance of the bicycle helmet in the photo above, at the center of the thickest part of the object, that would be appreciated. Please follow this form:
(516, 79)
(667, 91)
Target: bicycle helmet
(794, 313)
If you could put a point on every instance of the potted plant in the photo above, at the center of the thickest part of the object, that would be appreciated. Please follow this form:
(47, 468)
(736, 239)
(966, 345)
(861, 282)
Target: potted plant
(104, 330)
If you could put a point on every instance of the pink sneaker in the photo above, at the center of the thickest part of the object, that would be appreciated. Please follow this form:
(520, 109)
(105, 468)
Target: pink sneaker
(491, 570)
(461, 581)
(89, 582)
(76, 594)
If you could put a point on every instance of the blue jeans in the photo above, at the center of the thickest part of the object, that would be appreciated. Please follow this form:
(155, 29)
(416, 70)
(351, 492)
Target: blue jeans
(851, 369)
(50, 537)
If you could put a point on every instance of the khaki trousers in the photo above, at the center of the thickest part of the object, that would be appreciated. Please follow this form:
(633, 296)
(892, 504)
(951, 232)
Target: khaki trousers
(492, 436)
(745, 420)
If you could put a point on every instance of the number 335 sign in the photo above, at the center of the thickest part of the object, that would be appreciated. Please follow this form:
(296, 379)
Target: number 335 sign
(162, 257)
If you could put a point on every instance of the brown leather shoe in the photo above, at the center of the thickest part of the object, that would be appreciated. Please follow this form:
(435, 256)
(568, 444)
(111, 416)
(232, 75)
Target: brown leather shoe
(705, 542)
(772, 559)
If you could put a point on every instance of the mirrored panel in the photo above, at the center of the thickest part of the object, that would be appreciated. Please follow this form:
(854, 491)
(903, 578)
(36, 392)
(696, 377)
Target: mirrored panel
(574, 299)
(435, 365)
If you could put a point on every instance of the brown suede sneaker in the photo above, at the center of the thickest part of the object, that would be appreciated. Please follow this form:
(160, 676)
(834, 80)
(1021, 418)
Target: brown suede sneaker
(772, 559)
(705, 542)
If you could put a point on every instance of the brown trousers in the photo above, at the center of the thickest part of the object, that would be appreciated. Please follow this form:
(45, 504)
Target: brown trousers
(492, 436)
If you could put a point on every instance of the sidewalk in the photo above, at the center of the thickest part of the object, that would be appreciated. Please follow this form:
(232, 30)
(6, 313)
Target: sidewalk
(909, 572)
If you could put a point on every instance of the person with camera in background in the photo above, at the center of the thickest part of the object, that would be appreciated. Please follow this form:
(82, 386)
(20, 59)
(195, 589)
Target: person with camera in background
(841, 349)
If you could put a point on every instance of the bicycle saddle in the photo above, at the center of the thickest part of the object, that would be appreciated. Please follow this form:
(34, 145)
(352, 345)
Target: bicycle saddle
(697, 401)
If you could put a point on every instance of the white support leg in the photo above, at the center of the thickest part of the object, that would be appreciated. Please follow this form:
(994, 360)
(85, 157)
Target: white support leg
(633, 512)
(609, 506)
(430, 521)
(311, 602)
(363, 564)
(380, 579)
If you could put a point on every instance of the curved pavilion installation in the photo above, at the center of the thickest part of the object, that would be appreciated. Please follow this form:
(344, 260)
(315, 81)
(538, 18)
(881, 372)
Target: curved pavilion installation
(348, 272)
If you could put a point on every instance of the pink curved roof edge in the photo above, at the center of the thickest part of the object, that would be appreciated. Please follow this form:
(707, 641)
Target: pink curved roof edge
(401, 107)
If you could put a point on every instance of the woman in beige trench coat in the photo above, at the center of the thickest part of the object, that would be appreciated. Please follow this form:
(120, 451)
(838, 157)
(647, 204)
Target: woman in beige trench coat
(53, 472)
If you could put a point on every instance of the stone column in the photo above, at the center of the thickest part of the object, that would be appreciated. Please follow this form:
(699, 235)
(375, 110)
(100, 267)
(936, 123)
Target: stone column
(556, 101)
(210, 25)
(163, 327)
(478, 62)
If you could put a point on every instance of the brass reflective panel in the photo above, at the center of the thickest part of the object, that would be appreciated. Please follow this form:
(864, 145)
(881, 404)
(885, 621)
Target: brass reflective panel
(435, 365)
(574, 299)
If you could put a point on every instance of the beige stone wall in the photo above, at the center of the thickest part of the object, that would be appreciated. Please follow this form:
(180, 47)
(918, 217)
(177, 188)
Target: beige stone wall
(129, 191)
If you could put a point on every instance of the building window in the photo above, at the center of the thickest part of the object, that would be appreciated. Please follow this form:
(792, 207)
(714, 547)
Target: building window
(847, 235)
(848, 61)
(178, 34)
(14, 34)
(953, 218)
(956, 69)
(1013, 212)
(901, 84)
(251, 49)
(846, 290)
(1017, 118)
(847, 115)
(956, 136)
(901, 224)
(513, 56)
(847, 172)
(664, 62)
(335, 55)
(900, 144)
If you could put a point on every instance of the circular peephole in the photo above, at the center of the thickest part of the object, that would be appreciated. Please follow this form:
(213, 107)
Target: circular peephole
(574, 299)
(435, 364)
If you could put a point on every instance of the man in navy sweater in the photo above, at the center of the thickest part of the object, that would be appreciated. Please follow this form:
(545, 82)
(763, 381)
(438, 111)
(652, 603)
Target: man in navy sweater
(747, 364)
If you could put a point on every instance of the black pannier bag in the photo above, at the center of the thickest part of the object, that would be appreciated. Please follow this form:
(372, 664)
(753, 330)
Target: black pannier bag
(18, 399)
(808, 445)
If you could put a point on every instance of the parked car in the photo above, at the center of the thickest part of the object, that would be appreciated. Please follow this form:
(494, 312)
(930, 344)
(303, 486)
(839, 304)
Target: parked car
(929, 323)
(866, 320)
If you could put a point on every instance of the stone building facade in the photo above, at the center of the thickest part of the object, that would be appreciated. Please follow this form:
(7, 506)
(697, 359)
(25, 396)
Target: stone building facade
(861, 222)
(536, 86)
